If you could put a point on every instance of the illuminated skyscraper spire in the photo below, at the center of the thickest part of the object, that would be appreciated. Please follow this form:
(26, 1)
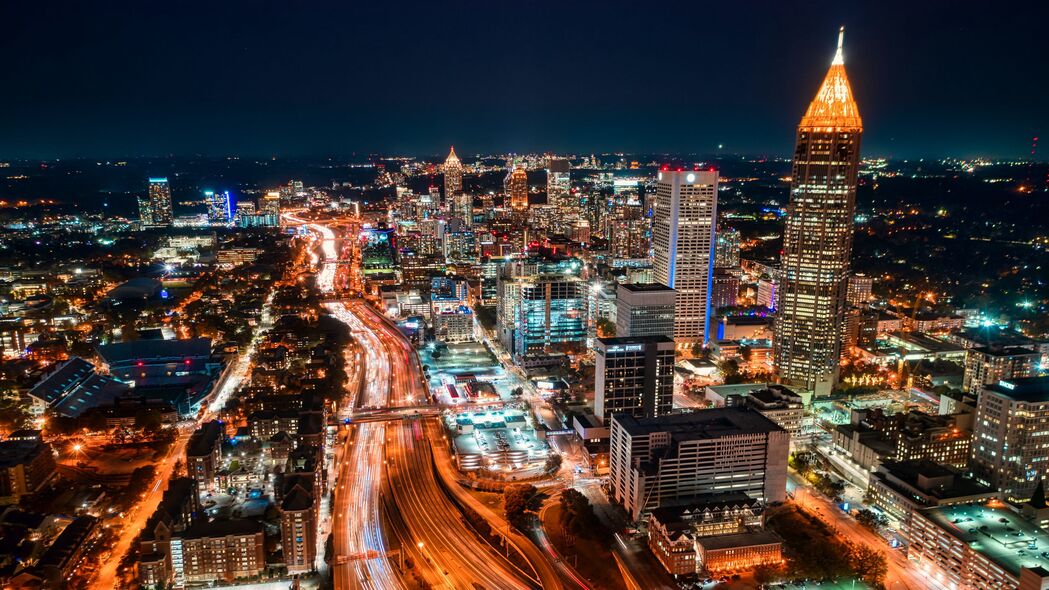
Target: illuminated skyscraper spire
(817, 238)
(839, 57)
(833, 105)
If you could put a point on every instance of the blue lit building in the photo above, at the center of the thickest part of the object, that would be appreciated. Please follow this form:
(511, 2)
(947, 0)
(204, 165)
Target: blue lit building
(542, 306)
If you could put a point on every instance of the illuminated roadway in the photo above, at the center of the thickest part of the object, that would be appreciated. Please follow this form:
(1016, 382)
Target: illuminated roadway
(431, 527)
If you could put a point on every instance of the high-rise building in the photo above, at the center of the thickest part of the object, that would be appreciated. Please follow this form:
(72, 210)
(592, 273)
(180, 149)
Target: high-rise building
(687, 457)
(161, 212)
(453, 176)
(817, 241)
(724, 289)
(635, 376)
(860, 288)
(220, 206)
(559, 183)
(726, 252)
(270, 204)
(298, 525)
(644, 309)
(204, 454)
(683, 247)
(1010, 448)
(517, 189)
(985, 365)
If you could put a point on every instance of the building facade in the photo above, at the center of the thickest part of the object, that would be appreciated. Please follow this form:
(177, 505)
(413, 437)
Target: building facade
(1010, 448)
(682, 457)
(634, 375)
(683, 247)
(644, 309)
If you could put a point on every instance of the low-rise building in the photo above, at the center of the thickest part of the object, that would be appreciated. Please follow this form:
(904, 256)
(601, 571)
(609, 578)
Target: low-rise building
(901, 487)
(978, 546)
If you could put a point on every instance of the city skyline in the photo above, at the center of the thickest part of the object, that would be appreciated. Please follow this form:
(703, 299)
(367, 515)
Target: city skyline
(541, 368)
(338, 90)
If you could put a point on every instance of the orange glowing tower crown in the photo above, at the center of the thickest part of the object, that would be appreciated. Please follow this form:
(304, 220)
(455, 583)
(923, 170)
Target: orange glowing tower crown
(834, 105)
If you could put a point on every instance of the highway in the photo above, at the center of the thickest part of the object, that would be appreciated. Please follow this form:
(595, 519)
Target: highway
(431, 528)
(360, 559)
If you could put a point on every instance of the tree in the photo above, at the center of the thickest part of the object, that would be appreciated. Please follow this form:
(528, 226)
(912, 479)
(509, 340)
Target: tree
(553, 462)
(520, 501)
(869, 564)
(871, 519)
(605, 328)
(745, 352)
(577, 514)
(147, 419)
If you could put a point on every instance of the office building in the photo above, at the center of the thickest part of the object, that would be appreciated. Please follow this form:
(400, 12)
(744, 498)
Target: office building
(775, 402)
(987, 365)
(683, 247)
(270, 204)
(766, 295)
(220, 207)
(541, 306)
(644, 309)
(161, 213)
(685, 457)
(453, 177)
(1010, 449)
(559, 184)
(726, 251)
(859, 290)
(517, 189)
(901, 488)
(635, 376)
(817, 241)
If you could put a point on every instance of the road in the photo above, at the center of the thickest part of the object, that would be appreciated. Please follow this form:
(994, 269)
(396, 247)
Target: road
(431, 528)
(360, 559)
(901, 574)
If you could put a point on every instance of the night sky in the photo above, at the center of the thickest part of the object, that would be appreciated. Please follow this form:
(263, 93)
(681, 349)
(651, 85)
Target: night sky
(105, 79)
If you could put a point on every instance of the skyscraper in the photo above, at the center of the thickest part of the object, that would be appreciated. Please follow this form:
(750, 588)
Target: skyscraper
(817, 241)
(683, 245)
(453, 176)
(726, 253)
(220, 206)
(559, 183)
(644, 309)
(160, 202)
(517, 188)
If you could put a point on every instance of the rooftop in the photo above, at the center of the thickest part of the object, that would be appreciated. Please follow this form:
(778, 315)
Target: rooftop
(122, 352)
(1027, 389)
(995, 532)
(646, 287)
(704, 424)
(738, 540)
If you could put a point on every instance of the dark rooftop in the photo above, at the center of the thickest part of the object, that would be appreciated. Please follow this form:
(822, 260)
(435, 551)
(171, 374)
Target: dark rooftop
(120, 352)
(222, 528)
(204, 439)
(711, 423)
(1026, 389)
(645, 287)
